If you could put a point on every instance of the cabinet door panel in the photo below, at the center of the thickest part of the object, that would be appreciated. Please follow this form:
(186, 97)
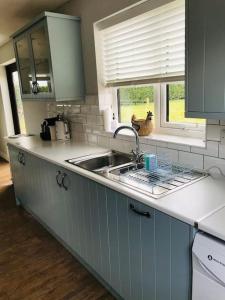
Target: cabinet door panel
(95, 226)
(181, 242)
(123, 238)
(73, 213)
(24, 63)
(148, 254)
(41, 56)
(214, 56)
(112, 213)
(195, 62)
(135, 253)
(162, 255)
(103, 220)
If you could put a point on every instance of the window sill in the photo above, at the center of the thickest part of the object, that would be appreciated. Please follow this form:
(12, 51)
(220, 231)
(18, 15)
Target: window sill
(161, 139)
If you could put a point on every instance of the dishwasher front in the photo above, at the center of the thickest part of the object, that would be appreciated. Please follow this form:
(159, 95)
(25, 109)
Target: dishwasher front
(208, 255)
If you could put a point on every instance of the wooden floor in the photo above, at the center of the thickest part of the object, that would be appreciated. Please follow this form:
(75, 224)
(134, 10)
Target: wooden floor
(33, 265)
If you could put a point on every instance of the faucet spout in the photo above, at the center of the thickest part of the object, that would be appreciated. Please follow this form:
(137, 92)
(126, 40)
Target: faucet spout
(138, 153)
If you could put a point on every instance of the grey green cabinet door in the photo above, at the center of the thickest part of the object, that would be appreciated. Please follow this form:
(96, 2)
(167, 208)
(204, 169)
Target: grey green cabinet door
(49, 58)
(205, 60)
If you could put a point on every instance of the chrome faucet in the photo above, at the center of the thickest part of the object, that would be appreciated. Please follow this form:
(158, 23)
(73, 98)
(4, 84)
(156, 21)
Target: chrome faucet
(137, 154)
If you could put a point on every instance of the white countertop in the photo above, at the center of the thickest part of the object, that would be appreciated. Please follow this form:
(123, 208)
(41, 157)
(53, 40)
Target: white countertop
(190, 204)
(214, 224)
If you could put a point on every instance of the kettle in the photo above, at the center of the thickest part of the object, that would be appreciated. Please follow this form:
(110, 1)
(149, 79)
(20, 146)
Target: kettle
(62, 129)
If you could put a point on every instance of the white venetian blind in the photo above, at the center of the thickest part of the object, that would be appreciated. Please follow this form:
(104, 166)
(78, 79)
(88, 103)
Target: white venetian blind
(150, 46)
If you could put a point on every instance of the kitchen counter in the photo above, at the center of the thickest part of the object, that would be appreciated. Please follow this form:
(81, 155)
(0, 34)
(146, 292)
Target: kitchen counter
(191, 204)
(214, 224)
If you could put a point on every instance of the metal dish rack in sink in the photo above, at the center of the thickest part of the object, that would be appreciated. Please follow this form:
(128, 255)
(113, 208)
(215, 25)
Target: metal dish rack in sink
(168, 177)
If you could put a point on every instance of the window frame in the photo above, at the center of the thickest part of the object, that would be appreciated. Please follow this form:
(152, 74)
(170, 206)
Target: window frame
(161, 126)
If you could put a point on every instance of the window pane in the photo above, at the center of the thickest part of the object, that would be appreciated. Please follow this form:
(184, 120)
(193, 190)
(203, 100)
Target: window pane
(136, 100)
(176, 105)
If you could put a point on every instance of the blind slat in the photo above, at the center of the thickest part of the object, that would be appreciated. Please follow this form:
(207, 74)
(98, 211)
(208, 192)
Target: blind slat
(151, 46)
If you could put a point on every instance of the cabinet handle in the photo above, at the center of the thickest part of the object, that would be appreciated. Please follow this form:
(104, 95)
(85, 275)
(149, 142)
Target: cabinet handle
(35, 87)
(63, 182)
(19, 157)
(141, 213)
(57, 178)
(23, 162)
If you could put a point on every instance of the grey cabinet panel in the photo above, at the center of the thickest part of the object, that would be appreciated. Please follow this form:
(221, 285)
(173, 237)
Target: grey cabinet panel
(205, 59)
(95, 226)
(195, 58)
(181, 241)
(214, 56)
(123, 240)
(135, 254)
(112, 212)
(104, 234)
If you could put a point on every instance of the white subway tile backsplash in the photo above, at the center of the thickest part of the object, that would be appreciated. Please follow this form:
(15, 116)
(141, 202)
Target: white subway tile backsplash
(211, 149)
(148, 148)
(166, 153)
(212, 122)
(221, 151)
(85, 109)
(99, 120)
(91, 119)
(179, 147)
(104, 141)
(92, 139)
(191, 159)
(212, 161)
(213, 133)
(91, 100)
(87, 125)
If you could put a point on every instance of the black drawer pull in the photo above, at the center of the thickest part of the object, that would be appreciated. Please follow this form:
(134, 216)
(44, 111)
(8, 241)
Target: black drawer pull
(141, 213)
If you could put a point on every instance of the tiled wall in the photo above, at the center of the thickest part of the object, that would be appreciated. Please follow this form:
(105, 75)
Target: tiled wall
(87, 125)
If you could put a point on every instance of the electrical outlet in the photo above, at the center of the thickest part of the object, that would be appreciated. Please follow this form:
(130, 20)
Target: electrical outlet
(222, 136)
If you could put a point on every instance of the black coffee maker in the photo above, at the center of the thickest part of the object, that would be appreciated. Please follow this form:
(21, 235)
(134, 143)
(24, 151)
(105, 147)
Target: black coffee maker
(45, 130)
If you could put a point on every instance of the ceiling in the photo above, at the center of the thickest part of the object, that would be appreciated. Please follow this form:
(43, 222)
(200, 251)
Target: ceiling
(16, 13)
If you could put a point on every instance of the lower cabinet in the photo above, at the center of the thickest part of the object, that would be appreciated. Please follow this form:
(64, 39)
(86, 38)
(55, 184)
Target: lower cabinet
(141, 253)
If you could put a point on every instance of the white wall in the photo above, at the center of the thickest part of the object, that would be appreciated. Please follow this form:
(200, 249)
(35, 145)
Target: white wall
(90, 12)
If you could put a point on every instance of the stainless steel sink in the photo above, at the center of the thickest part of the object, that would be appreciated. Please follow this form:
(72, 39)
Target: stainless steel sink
(101, 163)
(121, 168)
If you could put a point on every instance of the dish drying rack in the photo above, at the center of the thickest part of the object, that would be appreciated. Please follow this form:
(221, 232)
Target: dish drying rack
(165, 178)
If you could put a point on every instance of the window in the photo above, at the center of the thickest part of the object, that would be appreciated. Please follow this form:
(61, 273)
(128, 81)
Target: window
(142, 66)
(136, 100)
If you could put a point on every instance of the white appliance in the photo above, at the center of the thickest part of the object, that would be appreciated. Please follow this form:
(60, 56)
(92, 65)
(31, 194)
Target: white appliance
(208, 268)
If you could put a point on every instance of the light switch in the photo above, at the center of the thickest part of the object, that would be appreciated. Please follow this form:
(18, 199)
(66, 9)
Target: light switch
(222, 135)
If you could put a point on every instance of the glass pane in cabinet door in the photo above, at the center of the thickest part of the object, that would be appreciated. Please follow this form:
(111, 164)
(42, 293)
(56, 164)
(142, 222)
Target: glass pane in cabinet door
(40, 47)
(24, 62)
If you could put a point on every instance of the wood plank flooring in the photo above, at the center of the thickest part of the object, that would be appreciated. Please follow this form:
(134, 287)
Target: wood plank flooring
(33, 265)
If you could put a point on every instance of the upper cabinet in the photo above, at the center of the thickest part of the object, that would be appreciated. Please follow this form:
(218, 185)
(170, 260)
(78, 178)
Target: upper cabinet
(205, 59)
(49, 58)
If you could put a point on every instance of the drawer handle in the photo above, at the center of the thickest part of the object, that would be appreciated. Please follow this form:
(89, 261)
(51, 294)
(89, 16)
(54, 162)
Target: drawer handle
(63, 182)
(57, 178)
(141, 213)
(19, 157)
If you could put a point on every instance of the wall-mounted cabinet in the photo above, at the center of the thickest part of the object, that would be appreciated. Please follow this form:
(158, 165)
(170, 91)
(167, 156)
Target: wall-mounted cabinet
(205, 59)
(49, 58)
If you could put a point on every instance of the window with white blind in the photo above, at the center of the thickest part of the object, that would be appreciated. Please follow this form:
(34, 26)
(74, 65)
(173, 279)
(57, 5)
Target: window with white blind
(149, 46)
(141, 64)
